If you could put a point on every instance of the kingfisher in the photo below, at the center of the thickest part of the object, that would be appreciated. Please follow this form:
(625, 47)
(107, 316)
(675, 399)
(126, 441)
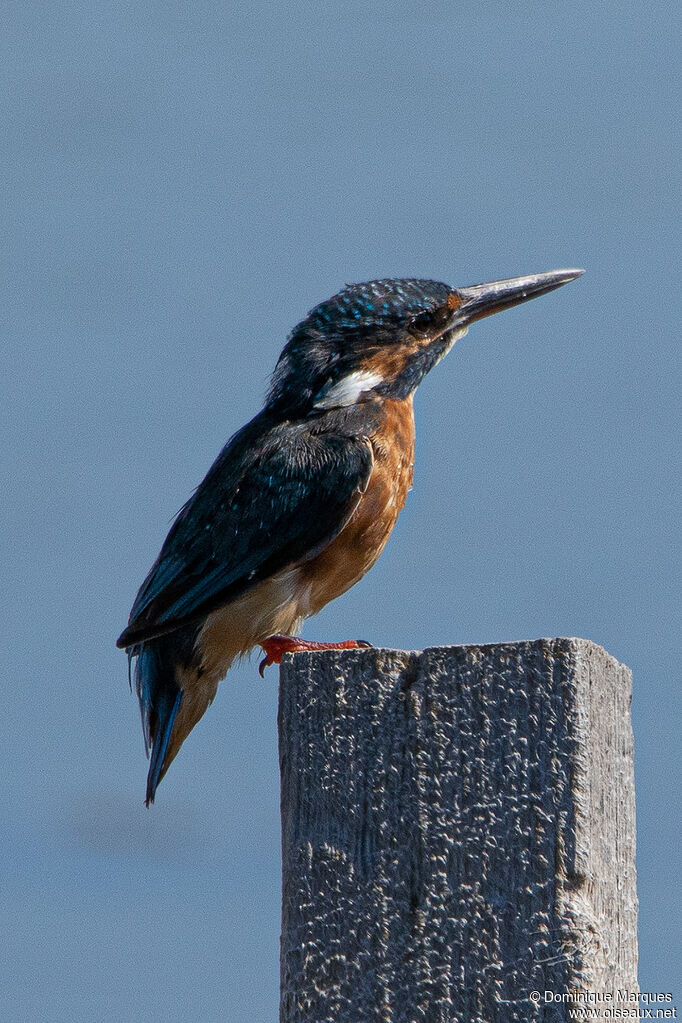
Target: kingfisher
(300, 502)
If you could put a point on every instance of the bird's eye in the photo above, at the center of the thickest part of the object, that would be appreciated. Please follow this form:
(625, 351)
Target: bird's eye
(422, 325)
(431, 323)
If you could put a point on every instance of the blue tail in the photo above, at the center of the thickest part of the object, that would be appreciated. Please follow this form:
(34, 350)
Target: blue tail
(160, 697)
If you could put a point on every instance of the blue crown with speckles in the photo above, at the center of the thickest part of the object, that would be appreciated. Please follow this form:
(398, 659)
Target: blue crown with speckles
(377, 302)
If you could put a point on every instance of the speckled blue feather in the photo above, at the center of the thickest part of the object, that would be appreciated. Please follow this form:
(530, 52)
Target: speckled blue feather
(376, 303)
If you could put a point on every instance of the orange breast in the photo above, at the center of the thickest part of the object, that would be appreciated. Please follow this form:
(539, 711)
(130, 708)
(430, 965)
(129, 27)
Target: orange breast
(362, 540)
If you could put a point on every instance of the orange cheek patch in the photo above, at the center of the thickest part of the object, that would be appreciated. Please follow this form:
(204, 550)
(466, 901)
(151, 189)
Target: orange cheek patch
(454, 301)
(389, 362)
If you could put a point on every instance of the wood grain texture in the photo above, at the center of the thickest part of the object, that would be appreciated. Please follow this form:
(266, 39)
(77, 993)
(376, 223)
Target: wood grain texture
(458, 830)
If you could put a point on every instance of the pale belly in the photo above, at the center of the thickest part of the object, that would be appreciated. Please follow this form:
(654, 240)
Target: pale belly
(278, 605)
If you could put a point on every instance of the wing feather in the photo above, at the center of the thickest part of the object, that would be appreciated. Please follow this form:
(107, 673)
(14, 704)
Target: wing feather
(271, 499)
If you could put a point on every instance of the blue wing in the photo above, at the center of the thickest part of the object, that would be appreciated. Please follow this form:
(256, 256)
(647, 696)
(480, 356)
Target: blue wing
(276, 495)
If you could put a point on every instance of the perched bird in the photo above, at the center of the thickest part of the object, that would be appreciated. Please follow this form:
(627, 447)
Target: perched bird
(301, 501)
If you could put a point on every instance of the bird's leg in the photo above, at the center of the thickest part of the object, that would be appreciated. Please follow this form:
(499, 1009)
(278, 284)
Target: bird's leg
(276, 646)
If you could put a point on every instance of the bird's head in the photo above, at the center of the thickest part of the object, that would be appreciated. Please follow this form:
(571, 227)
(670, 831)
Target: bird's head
(381, 338)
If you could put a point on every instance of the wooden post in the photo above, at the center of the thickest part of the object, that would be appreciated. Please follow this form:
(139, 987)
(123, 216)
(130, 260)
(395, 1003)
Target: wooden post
(458, 833)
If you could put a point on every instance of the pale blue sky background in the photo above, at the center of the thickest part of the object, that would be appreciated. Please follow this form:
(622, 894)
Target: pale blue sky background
(180, 184)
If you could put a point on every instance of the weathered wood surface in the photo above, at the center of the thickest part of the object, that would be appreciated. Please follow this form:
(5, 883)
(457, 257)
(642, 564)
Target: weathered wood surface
(458, 831)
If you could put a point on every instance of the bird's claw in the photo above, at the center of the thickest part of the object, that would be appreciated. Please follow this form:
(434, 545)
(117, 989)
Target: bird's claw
(276, 646)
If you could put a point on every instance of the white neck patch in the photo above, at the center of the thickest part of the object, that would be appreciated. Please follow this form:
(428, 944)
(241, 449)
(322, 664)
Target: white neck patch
(455, 336)
(348, 389)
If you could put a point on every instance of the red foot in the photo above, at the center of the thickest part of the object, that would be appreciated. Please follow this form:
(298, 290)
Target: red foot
(276, 646)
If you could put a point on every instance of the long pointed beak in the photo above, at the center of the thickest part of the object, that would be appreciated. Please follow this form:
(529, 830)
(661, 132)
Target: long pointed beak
(485, 299)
